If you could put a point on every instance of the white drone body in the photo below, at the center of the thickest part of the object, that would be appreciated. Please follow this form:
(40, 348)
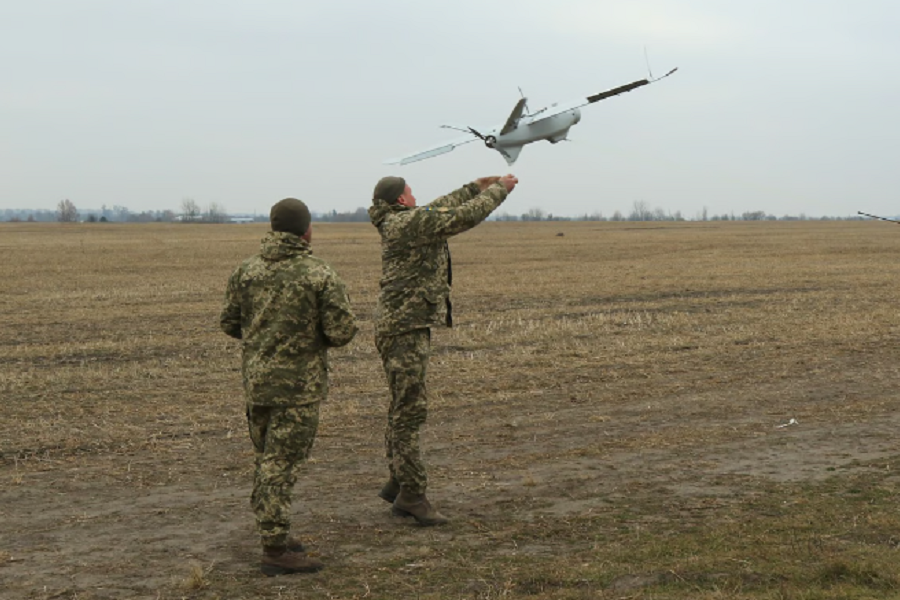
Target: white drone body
(551, 124)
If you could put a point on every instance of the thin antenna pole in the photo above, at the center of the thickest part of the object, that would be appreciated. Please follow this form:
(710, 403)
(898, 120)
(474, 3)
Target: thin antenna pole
(647, 60)
(859, 212)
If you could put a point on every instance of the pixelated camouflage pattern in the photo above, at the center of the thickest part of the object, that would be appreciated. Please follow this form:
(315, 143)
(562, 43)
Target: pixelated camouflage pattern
(282, 439)
(287, 307)
(405, 361)
(415, 286)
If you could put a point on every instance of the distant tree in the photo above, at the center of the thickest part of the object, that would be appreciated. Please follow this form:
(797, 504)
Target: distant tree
(617, 216)
(121, 213)
(360, 215)
(534, 214)
(641, 211)
(756, 215)
(92, 218)
(215, 213)
(31, 218)
(190, 210)
(103, 219)
(66, 211)
(142, 217)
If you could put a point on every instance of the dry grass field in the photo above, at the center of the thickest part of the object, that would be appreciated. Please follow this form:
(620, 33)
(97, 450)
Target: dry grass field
(605, 418)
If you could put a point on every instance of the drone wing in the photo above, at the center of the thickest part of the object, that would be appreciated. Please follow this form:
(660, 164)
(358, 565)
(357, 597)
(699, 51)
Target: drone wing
(514, 117)
(430, 152)
(561, 108)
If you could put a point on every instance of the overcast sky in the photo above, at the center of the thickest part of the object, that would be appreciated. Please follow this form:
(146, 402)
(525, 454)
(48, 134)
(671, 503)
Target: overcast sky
(783, 106)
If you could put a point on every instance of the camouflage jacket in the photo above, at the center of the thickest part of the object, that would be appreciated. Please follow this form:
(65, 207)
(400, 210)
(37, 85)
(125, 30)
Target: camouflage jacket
(287, 307)
(415, 257)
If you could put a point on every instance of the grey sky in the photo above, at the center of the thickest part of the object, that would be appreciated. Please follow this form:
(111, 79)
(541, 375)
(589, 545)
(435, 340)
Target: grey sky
(782, 106)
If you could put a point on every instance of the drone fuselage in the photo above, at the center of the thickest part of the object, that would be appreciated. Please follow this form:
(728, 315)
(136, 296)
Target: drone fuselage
(532, 128)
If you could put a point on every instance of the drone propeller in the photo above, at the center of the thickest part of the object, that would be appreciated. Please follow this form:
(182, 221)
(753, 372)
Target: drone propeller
(489, 140)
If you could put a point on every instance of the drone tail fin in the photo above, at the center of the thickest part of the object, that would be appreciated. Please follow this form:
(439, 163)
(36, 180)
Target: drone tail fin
(510, 153)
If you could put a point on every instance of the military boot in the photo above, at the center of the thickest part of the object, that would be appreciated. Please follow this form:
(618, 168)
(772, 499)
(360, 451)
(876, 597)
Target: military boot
(418, 507)
(278, 560)
(390, 490)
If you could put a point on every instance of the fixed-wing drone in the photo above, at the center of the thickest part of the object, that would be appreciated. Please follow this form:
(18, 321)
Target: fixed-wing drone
(551, 124)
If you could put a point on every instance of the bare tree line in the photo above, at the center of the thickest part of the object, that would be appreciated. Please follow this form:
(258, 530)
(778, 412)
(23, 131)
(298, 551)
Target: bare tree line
(191, 212)
(642, 211)
(214, 212)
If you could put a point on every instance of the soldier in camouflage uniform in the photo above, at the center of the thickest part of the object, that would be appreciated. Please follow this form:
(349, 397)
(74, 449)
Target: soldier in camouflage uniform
(415, 296)
(287, 307)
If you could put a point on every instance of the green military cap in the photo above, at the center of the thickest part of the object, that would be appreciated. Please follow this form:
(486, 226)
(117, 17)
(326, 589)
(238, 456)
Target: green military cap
(389, 189)
(290, 215)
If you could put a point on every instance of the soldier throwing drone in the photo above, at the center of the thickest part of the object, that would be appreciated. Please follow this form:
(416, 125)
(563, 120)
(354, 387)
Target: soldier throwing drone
(415, 296)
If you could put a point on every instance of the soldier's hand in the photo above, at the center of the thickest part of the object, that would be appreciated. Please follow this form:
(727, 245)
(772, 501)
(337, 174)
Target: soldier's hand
(484, 183)
(509, 182)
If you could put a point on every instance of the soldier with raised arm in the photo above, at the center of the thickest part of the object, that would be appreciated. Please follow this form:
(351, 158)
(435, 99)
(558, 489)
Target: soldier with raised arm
(288, 308)
(415, 296)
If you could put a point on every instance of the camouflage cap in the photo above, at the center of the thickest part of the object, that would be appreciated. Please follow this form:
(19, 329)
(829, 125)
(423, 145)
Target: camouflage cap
(290, 215)
(389, 189)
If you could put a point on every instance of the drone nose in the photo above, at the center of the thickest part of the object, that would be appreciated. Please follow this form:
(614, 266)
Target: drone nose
(576, 115)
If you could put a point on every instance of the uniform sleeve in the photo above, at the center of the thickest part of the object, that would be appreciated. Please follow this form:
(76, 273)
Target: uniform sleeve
(457, 198)
(230, 319)
(338, 322)
(432, 223)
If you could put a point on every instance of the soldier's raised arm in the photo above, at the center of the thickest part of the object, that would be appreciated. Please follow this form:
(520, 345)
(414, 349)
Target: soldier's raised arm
(230, 319)
(336, 315)
(443, 222)
(465, 193)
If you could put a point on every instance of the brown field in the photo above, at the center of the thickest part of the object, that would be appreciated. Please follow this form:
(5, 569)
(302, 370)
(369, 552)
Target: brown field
(604, 418)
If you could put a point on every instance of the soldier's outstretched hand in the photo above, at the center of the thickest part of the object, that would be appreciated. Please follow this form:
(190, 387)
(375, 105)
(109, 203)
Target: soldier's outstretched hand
(509, 182)
(484, 183)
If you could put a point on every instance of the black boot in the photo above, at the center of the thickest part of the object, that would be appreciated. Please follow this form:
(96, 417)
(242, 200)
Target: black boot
(278, 560)
(418, 507)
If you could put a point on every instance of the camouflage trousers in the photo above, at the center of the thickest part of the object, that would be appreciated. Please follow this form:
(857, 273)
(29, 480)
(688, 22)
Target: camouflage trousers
(405, 360)
(282, 438)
